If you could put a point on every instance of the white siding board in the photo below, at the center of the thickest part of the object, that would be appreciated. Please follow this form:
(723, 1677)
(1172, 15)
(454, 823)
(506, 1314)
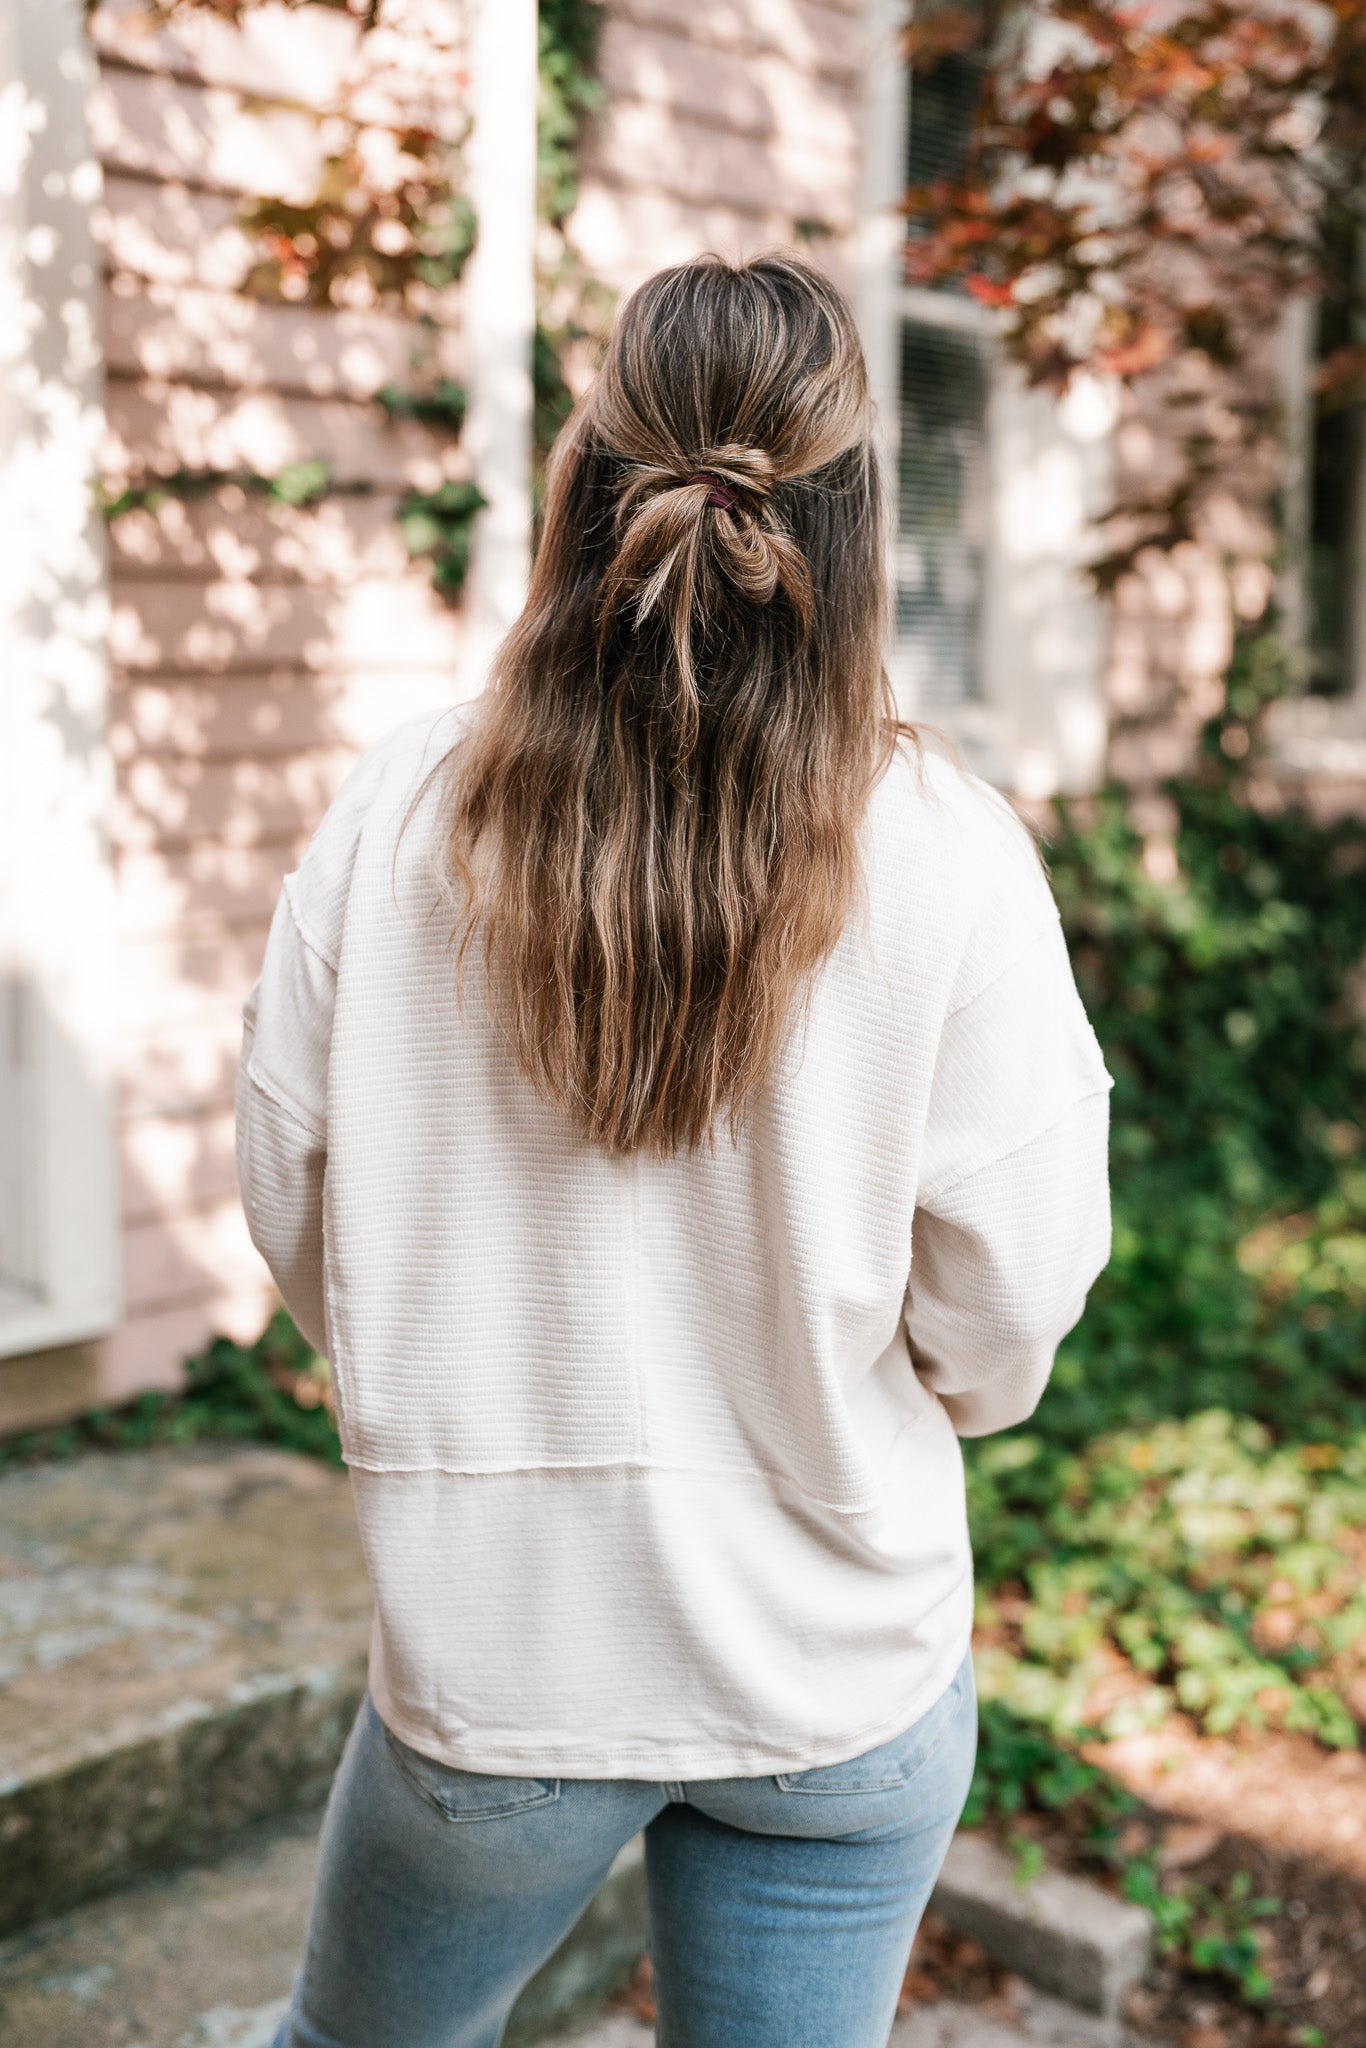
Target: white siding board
(150, 127)
(768, 98)
(195, 336)
(166, 803)
(232, 534)
(216, 628)
(164, 427)
(265, 716)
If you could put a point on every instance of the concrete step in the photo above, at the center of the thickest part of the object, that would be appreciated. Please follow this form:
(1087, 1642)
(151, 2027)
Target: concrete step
(182, 1646)
(203, 1958)
(1042, 2023)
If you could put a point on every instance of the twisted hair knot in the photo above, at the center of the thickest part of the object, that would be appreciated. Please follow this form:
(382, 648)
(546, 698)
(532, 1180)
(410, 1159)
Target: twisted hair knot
(667, 548)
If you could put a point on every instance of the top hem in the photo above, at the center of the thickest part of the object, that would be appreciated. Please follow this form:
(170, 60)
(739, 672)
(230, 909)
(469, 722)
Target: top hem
(671, 1763)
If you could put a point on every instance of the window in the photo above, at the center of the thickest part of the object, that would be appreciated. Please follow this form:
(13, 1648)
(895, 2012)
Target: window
(998, 639)
(941, 525)
(1337, 510)
(1321, 729)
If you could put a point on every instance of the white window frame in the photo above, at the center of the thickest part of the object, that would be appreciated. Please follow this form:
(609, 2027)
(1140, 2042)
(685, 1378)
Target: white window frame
(57, 1141)
(1312, 735)
(1039, 726)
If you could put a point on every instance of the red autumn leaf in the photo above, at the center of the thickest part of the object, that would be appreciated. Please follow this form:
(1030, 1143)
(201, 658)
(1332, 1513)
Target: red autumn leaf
(988, 292)
(1148, 347)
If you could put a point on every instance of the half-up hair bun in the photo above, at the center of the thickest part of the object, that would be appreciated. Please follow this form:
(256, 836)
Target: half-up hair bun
(772, 390)
(655, 817)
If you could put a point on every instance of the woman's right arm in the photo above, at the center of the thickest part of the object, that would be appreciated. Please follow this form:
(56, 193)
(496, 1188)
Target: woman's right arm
(1012, 1223)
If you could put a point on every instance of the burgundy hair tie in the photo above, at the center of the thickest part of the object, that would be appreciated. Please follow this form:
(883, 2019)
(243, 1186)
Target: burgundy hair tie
(718, 493)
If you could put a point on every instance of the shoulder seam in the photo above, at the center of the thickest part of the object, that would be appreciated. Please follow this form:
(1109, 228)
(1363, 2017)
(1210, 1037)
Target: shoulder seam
(1031, 1137)
(1026, 945)
(316, 1133)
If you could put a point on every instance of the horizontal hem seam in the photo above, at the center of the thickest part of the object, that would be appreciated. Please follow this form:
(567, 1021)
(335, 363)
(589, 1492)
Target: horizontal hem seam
(636, 1466)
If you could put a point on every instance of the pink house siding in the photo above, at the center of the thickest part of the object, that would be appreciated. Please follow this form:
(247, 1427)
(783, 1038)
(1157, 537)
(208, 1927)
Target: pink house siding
(255, 649)
(728, 126)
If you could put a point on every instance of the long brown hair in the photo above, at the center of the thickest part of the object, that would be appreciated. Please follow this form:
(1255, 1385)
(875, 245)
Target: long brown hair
(654, 816)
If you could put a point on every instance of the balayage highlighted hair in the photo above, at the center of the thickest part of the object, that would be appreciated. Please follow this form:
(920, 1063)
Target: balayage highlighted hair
(653, 819)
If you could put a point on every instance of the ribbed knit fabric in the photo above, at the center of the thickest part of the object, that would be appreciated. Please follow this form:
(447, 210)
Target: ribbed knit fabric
(656, 1462)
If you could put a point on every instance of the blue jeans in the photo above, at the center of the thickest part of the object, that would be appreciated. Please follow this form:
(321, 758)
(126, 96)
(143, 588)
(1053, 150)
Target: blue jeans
(783, 1909)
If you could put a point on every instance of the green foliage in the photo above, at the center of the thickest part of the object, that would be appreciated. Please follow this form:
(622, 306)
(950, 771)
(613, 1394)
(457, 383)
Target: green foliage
(1183, 1523)
(1021, 1768)
(437, 526)
(554, 401)
(1225, 1571)
(1223, 1001)
(1188, 1502)
(298, 484)
(1211, 1933)
(1030, 1861)
(274, 1391)
(441, 403)
(569, 95)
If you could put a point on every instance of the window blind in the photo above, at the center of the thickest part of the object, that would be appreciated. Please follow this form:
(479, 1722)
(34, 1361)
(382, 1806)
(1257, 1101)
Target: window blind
(943, 102)
(941, 472)
(941, 528)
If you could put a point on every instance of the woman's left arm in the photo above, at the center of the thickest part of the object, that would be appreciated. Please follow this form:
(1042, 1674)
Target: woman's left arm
(282, 1115)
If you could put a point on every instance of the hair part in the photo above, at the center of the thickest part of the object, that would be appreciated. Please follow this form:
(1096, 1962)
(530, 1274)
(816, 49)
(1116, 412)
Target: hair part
(653, 819)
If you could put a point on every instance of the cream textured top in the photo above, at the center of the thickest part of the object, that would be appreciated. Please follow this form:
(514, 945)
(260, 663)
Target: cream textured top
(656, 1462)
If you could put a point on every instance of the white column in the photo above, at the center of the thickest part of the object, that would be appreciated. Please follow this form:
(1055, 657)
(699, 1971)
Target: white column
(882, 225)
(1042, 727)
(500, 315)
(58, 1187)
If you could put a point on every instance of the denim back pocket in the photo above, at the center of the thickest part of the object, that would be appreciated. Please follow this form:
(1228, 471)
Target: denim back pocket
(893, 1764)
(469, 1795)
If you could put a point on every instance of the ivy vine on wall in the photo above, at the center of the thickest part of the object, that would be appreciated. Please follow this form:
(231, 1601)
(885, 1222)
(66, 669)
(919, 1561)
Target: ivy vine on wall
(390, 224)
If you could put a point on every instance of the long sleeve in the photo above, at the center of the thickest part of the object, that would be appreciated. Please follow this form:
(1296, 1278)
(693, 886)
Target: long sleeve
(282, 1116)
(1012, 1222)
